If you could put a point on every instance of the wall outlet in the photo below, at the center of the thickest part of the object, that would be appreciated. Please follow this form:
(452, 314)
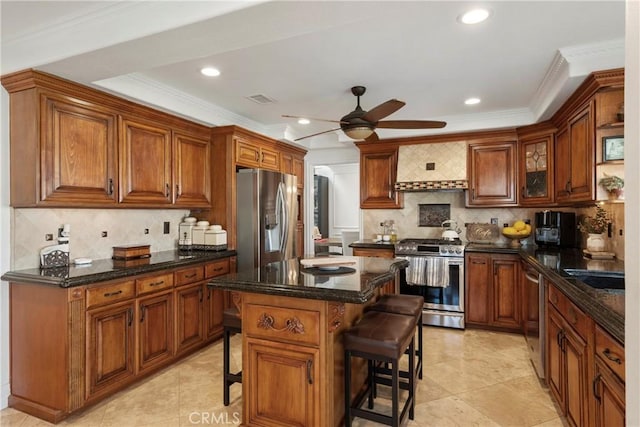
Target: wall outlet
(104, 234)
(166, 227)
(146, 231)
(494, 221)
(431, 166)
(48, 237)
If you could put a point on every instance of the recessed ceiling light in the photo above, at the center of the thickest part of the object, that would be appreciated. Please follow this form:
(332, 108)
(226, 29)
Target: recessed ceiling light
(474, 16)
(472, 101)
(210, 72)
(303, 121)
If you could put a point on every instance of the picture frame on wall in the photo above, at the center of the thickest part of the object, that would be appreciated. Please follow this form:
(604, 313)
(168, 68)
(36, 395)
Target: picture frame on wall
(612, 148)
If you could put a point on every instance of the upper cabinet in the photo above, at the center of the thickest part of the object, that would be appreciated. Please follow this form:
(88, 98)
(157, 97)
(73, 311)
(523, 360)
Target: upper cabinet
(492, 173)
(536, 165)
(78, 147)
(256, 155)
(378, 168)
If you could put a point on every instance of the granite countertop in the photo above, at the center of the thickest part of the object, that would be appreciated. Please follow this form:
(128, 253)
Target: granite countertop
(605, 306)
(108, 269)
(289, 278)
(372, 244)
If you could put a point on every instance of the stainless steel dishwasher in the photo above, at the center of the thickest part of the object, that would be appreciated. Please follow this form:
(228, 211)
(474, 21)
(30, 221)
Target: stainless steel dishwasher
(534, 315)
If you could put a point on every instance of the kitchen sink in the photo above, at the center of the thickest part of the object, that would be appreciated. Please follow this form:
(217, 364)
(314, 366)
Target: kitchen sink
(598, 279)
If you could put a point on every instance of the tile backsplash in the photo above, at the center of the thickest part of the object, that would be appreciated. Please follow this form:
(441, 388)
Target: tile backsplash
(407, 219)
(123, 226)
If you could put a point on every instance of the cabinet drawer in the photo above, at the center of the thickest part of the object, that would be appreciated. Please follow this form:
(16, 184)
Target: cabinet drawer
(188, 275)
(610, 351)
(282, 324)
(108, 294)
(556, 298)
(570, 312)
(154, 283)
(217, 268)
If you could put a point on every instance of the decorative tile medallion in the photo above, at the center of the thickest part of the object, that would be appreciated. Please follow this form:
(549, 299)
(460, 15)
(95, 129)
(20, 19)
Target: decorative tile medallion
(433, 215)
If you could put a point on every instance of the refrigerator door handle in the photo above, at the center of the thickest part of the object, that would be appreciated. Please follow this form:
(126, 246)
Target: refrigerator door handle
(281, 213)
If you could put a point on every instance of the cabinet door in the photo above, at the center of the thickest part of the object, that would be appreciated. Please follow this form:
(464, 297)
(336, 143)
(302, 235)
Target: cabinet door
(110, 347)
(536, 171)
(145, 163)
(478, 283)
(192, 173)
(78, 153)
(247, 154)
(609, 395)
(555, 360)
(506, 292)
(492, 174)
(286, 165)
(189, 317)
(371, 252)
(269, 159)
(563, 166)
(293, 371)
(214, 308)
(155, 320)
(576, 392)
(582, 149)
(298, 170)
(377, 180)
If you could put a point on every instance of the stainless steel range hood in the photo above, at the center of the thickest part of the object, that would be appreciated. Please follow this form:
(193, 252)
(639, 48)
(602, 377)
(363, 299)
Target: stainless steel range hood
(432, 167)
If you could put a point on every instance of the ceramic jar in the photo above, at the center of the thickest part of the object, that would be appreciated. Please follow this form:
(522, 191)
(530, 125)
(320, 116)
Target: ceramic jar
(595, 242)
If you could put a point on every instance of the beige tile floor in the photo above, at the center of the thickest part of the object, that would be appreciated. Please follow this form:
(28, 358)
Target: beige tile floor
(471, 378)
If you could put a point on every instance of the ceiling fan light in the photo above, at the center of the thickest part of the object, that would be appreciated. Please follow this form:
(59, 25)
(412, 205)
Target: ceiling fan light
(359, 132)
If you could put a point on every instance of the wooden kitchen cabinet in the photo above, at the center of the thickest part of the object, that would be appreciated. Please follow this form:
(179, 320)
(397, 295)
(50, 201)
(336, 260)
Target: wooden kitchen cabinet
(145, 162)
(155, 330)
(191, 170)
(388, 252)
(575, 158)
(189, 317)
(378, 171)
(255, 155)
(569, 344)
(536, 164)
(493, 291)
(491, 167)
(608, 385)
(110, 347)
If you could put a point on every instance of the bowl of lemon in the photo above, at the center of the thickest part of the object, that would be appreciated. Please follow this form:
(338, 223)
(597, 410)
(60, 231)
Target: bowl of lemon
(517, 232)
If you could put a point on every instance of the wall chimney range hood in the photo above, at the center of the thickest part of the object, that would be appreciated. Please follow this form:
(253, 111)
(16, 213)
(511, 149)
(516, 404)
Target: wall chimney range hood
(432, 167)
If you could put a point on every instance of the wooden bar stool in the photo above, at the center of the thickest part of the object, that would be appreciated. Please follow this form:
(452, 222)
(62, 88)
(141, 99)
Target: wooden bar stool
(380, 337)
(408, 305)
(232, 324)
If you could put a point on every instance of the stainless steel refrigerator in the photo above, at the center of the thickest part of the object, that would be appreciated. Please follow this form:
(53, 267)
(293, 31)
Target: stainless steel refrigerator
(266, 217)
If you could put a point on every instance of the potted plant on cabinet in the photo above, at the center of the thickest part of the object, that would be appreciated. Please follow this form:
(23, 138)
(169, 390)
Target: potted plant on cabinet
(595, 226)
(613, 184)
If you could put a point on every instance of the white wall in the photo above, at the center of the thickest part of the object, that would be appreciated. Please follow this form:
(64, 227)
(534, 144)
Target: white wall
(632, 209)
(5, 236)
(344, 206)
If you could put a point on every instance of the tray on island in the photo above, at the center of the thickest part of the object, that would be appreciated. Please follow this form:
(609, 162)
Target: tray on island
(598, 254)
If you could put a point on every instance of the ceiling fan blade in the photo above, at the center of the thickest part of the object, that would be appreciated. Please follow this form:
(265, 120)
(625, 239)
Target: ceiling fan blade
(372, 138)
(314, 119)
(383, 110)
(411, 124)
(316, 134)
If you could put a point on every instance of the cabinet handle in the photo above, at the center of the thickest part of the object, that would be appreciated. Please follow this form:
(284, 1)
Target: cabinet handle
(310, 371)
(218, 269)
(166, 190)
(142, 311)
(130, 316)
(190, 276)
(113, 294)
(560, 339)
(607, 353)
(178, 190)
(110, 187)
(200, 292)
(473, 193)
(257, 157)
(523, 193)
(156, 283)
(208, 294)
(596, 380)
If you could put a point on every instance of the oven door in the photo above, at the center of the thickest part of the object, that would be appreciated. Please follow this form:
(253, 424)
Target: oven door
(443, 306)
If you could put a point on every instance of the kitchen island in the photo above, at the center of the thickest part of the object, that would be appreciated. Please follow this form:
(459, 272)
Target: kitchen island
(293, 319)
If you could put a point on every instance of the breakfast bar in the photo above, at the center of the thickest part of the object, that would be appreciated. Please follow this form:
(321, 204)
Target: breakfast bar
(293, 317)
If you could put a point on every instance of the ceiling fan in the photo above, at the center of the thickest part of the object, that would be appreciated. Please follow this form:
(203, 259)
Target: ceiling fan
(361, 124)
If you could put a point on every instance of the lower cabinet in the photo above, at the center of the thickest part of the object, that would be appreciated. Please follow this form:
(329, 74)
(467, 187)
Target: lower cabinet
(569, 351)
(293, 371)
(493, 290)
(155, 331)
(380, 253)
(608, 381)
(189, 317)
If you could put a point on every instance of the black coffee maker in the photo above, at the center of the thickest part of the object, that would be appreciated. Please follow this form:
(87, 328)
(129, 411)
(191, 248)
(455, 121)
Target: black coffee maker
(556, 229)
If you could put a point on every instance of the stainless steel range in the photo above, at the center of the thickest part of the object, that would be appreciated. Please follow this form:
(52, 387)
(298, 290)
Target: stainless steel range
(436, 271)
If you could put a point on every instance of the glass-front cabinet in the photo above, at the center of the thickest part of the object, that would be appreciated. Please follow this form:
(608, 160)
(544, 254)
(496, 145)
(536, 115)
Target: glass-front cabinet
(536, 167)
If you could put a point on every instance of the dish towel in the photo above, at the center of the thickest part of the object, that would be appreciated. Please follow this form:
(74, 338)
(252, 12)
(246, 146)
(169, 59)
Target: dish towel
(428, 271)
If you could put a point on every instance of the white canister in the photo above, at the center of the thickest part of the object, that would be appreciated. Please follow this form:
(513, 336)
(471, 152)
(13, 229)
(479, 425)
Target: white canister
(215, 236)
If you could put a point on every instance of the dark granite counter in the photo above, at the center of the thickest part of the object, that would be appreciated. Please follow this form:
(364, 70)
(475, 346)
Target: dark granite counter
(605, 306)
(289, 278)
(108, 269)
(372, 244)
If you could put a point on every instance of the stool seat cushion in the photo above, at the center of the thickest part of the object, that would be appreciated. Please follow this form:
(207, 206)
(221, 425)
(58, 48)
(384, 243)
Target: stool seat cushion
(231, 318)
(381, 333)
(409, 305)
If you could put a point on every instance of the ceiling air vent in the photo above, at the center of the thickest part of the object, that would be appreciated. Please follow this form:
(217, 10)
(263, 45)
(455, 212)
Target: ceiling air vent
(261, 99)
